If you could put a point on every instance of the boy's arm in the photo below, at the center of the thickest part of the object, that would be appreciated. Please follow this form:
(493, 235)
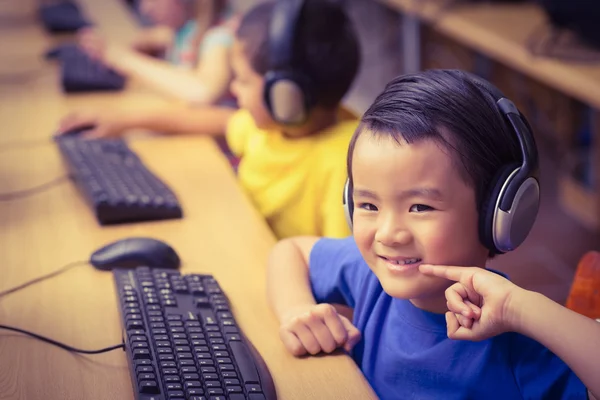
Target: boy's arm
(483, 304)
(573, 337)
(210, 121)
(176, 118)
(288, 283)
(305, 326)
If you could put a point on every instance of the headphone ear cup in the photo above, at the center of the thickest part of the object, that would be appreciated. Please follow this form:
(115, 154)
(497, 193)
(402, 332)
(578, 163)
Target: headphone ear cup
(348, 202)
(287, 97)
(488, 207)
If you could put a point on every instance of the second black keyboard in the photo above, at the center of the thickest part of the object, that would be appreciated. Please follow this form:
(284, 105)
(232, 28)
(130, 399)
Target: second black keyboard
(115, 181)
(182, 341)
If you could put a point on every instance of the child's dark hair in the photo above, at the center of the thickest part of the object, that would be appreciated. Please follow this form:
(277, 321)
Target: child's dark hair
(326, 47)
(447, 107)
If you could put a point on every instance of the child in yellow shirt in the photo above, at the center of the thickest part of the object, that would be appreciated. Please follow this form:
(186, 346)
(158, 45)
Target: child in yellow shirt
(293, 62)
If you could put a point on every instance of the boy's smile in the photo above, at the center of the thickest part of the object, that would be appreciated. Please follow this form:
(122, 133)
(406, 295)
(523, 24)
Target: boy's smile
(412, 206)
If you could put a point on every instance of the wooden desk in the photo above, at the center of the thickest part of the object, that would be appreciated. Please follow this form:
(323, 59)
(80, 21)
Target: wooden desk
(221, 234)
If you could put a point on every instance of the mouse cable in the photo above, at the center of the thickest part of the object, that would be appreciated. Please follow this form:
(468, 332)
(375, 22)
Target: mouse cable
(62, 345)
(43, 277)
(20, 194)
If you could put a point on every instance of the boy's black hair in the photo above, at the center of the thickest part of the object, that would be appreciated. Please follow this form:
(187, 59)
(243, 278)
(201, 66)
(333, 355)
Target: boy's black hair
(444, 106)
(326, 47)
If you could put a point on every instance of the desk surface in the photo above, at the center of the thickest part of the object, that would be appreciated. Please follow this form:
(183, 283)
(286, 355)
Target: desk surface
(221, 234)
(501, 31)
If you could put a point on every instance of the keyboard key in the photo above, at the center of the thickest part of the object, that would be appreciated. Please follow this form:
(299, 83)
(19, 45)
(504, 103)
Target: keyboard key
(191, 377)
(174, 386)
(171, 378)
(210, 377)
(169, 371)
(141, 353)
(207, 317)
(195, 392)
(146, 377)
(134, 324)
(192, 384)
(150, 387)
(138, 338)
(142, 362)
(244, 362)
(142, 369)
(253, 388)
(175, 394)
(234, 389)
(168, 364)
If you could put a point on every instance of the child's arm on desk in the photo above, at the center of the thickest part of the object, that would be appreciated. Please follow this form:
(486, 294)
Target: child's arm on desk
(495, 305)
(176, 118)
(306, 327)
(202, 86)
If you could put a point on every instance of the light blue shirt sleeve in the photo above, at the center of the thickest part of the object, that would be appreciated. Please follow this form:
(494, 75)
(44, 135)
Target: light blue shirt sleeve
(216, 37)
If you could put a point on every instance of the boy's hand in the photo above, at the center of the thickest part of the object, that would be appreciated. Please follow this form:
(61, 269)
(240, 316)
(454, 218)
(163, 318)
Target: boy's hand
(316, 328)
(101, 125)
(479, 303)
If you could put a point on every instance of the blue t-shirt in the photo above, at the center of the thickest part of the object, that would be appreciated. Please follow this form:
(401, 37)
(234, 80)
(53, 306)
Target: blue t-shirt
(405, 352)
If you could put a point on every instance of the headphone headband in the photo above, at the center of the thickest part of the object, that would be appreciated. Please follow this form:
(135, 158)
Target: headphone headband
(282, 33)
(287, 92)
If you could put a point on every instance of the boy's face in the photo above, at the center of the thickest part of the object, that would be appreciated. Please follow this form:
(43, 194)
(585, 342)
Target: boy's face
(171, 13)
(248, 87)
(412, 207)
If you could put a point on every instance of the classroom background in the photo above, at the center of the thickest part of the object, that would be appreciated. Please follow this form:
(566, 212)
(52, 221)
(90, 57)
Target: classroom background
(543, 58)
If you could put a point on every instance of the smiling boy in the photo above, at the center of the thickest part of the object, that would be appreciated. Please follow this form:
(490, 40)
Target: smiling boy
(422, 168)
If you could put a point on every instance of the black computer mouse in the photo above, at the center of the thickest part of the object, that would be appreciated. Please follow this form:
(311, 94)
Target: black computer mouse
(133, 252)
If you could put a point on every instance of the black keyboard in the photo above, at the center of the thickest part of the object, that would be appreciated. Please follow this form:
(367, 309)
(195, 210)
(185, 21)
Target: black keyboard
(80, 73)
(115, 182)
(62, 17)
(182, 341)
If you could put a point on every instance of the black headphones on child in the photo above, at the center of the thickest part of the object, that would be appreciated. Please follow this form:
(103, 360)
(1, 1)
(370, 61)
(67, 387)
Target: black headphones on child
(287, 92)
(510, 208)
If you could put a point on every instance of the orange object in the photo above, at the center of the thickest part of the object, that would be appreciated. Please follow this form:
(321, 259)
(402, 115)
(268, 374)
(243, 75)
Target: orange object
(584, 296)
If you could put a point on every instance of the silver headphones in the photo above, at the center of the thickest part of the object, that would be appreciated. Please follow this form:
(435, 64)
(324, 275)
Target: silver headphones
(510, 208)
